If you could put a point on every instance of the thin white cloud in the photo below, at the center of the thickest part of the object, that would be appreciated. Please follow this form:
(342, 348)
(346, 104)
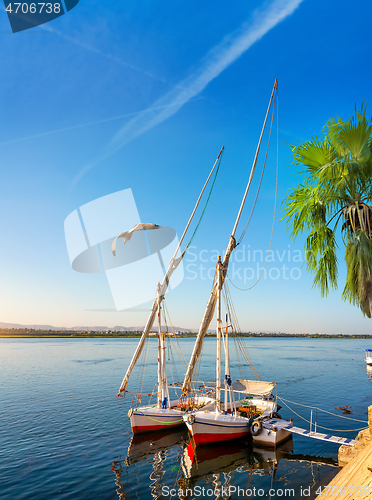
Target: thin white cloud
(91, 48)
(102, 53)
(216, 61)
(83, 125)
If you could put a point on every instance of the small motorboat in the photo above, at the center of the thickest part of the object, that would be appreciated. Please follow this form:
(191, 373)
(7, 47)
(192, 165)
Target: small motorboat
(368, 358)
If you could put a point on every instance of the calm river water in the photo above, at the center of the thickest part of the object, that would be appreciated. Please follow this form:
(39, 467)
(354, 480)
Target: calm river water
(65, 434)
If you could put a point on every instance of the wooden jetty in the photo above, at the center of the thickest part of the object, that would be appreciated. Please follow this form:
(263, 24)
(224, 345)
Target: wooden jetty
(283, 424)
(354, 481)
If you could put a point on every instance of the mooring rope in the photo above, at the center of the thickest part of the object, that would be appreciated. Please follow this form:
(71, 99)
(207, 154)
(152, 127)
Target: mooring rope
(325, 411)
(322, 427)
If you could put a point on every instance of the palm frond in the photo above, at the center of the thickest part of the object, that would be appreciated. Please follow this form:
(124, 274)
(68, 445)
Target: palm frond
(355, 135)
(321, 258)
(358, 257)
(314, 154)
(305, 209)
(337, 182)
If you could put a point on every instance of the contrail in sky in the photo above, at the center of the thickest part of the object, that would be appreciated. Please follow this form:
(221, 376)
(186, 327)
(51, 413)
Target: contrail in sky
(216, 60)
(93, 49)
(106, 55)
(89, 124)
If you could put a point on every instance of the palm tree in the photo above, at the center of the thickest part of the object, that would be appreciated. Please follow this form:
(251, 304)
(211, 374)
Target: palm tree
(337, 185)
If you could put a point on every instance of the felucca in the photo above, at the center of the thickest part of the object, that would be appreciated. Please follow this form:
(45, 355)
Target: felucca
(165, 414)
(233, 419)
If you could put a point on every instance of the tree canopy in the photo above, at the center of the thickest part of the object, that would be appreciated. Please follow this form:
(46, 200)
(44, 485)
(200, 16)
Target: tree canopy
(333, 203)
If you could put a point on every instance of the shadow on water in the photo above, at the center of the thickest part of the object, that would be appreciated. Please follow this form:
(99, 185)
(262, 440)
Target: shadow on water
(168, 465)
(62, 434)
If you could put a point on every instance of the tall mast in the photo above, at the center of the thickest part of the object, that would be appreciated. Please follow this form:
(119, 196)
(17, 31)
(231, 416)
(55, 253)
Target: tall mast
(209, 310)
(218, 332)
(162, 290)
(227, 367)
(275, 88)
(160, 358)
(162, 367)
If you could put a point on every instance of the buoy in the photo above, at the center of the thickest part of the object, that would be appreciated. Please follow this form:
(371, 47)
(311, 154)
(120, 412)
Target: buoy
(256, 427)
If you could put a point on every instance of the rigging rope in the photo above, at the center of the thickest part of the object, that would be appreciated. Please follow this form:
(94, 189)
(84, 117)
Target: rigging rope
(275, 199)
(141, 381)
(175, 348)
(240, 345)
(195, 377)
(178, 349)
(170, 352)
(234, 327)
(262, 174)
(317, 425)
(325, 411)
(205, 206)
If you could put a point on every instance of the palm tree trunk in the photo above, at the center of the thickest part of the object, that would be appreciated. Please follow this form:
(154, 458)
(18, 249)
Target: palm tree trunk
(369, 295)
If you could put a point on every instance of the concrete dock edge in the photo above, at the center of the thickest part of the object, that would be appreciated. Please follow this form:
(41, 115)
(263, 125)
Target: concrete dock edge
(354, 480)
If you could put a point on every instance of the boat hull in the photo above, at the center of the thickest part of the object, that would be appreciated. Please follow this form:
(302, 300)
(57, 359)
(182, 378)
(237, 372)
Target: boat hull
(270, 437)
(207, 428)
(150, 419)
(210, 427)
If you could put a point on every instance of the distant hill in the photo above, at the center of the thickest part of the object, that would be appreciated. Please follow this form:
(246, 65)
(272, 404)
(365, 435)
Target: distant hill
(118, 331)
(87, 328)
(35, 327)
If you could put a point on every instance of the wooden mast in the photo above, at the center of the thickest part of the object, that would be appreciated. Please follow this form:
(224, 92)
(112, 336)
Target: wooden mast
(218, 332)
(160, 374)
(209, 311)
(163, 288)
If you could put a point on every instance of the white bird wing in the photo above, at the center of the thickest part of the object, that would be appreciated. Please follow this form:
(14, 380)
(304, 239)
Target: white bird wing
(126, 235)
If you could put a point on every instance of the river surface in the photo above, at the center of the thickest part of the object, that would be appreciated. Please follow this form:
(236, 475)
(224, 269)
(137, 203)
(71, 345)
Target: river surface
(65, 434)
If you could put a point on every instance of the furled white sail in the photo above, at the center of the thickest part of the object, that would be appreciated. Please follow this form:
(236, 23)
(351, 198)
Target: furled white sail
(164, 285)
(253, 387)
(162, 288)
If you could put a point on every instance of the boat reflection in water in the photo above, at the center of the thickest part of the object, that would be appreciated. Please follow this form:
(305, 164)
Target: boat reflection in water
(154, 449)
(369, 371)
(207, 462)
(142, 446)
(165, 461)
(172, 461)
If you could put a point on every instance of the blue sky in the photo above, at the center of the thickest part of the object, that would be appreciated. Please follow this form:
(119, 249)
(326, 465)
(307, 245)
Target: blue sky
(143, 95)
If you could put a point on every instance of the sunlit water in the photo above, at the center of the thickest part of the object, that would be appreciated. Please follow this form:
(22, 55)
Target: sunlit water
(65, 434)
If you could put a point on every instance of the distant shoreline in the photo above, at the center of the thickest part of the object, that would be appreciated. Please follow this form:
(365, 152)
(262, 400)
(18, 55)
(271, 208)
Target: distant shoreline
(40, 334)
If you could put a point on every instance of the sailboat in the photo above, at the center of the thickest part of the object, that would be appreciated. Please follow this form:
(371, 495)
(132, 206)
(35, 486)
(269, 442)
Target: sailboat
(165, 414)
(232, 419)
